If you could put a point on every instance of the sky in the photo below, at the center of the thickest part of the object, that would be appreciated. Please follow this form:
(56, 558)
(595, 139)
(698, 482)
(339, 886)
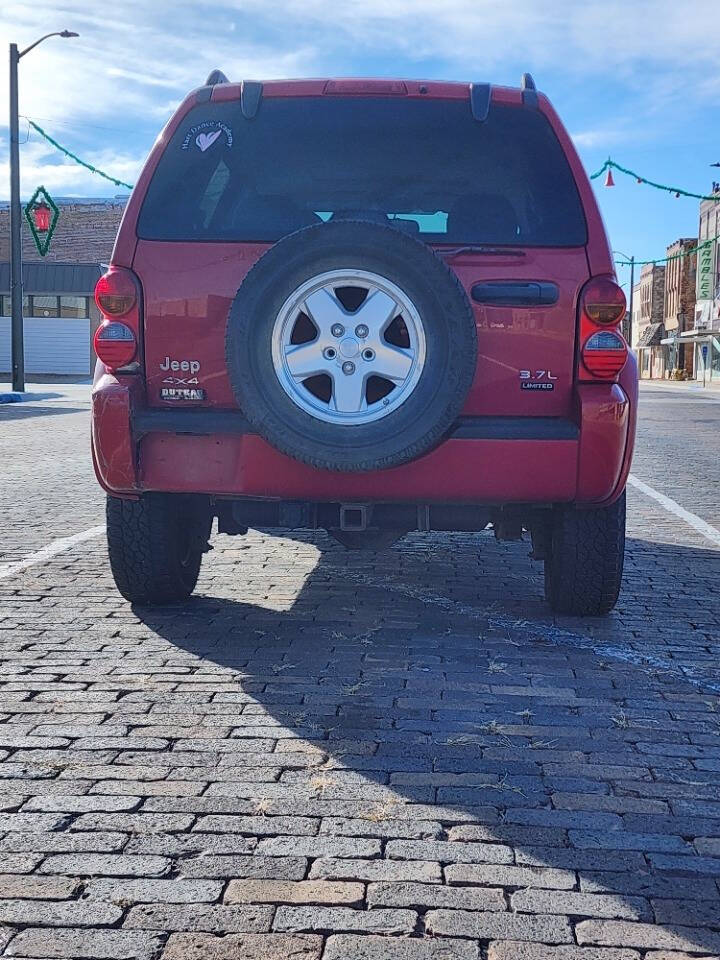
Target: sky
(637, 80)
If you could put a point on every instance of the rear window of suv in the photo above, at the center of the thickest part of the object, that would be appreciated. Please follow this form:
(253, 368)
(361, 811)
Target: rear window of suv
(424, 166)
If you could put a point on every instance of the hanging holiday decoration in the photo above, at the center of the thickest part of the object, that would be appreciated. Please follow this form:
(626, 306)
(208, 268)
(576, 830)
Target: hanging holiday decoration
(68, 153)
(610, 165)
(675, 256)
(42, 214)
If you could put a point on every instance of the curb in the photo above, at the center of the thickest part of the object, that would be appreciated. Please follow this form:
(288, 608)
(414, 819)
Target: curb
(16, 396)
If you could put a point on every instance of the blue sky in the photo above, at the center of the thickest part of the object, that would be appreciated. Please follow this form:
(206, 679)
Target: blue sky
(638, 80)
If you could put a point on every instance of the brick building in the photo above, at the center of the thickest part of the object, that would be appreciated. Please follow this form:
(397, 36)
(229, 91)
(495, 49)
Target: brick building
(651, 331)
(59, 312)
(702, 336)
(679, 303)
(635, 320)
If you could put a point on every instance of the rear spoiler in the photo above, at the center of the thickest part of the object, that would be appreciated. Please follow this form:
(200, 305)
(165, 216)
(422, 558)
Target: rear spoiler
(480, 94)
(250, 93)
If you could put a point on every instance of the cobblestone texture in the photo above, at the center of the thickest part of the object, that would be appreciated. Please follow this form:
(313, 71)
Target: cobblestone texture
(341, 756)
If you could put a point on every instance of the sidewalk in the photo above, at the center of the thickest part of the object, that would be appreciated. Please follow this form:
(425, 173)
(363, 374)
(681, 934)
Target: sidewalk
(687, 387)
(72, 391)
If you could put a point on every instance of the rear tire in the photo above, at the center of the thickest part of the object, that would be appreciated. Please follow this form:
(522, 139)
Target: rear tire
(587, 550)
(155, 545)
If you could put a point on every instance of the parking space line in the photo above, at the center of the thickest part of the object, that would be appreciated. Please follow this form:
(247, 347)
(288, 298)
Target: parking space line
(51, 550)
(672, 506)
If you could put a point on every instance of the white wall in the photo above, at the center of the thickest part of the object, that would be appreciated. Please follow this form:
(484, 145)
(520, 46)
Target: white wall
(52, 345)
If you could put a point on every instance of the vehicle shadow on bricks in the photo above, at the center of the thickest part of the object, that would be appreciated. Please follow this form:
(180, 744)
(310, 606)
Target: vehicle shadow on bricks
(28, 411)
(429, 729)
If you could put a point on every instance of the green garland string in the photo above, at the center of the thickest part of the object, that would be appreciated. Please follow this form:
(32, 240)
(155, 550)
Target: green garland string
(678, 191)
(68, 153)
(674, 256)
(609, 164)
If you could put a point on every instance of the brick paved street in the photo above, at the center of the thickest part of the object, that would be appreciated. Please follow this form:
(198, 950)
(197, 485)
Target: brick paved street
(345, 756)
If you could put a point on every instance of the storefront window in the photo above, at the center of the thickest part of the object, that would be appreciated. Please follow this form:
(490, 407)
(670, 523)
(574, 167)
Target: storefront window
(715, 368)
(74, 307)
(7, 305)
(38, 305)
(44, 307)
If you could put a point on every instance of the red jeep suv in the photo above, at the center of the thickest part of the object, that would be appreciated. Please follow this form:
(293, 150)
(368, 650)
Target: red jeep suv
(368, 306)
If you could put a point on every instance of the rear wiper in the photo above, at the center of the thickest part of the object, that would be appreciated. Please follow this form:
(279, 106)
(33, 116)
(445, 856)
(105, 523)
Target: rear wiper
(486, 251)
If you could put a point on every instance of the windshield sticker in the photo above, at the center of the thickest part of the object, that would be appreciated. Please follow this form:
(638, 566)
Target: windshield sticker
(204, 135)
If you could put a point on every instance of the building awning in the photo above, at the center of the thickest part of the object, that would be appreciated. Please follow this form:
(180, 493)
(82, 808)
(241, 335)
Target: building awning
(57, 278)
(651, 336)
(699, 336)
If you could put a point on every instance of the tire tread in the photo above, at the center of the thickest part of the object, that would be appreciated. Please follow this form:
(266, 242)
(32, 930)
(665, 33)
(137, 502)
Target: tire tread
(584, 572)
(143, 550)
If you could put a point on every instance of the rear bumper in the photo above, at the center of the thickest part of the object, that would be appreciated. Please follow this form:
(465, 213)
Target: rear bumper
(484, 460)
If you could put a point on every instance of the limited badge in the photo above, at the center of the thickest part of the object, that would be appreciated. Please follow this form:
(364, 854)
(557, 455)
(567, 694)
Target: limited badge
(182, 393)
(537, 380)
(527, 385)
(203, 135)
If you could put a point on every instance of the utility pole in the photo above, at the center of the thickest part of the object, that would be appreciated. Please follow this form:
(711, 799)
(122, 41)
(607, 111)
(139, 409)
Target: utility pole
(16, 295)
(16, 284)
(631, 262)
(632, 285)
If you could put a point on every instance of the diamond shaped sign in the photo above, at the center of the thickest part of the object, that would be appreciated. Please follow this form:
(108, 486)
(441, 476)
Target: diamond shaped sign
(41, 213)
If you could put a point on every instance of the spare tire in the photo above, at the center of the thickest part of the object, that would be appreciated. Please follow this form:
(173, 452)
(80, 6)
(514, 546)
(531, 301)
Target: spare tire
(351, 346)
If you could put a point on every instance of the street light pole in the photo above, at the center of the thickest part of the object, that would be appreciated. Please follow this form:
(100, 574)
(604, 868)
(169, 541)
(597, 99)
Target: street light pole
(16, 284)
(18, 352)
(631, 261)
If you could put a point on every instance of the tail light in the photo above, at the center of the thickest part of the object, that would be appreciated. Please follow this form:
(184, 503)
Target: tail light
(604, 354)
(603, 349)
(603, 302)
(117, 296)
(115, 292)
(115, 344)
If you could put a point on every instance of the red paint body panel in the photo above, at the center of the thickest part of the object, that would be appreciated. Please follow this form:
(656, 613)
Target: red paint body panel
(604, 414)
(458, 471)
(187, 292)
(114, 453)
(188, 319)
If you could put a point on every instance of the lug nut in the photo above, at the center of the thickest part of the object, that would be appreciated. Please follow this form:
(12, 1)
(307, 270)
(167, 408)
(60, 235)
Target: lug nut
(337, 329)
(348, 367)
(368, 354)
(329, 353)
(361, 331)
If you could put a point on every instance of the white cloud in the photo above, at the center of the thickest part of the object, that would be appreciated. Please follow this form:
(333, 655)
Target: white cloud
(42, 164)
(126, 54)
(602, 136)
(134, 61)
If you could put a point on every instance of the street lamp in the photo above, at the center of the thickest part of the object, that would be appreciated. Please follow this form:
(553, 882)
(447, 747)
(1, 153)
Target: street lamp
(619, 253)
(16, 298)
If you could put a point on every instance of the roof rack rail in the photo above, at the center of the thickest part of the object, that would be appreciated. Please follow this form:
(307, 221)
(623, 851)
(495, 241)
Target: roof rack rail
(529, 91)
(216, 76)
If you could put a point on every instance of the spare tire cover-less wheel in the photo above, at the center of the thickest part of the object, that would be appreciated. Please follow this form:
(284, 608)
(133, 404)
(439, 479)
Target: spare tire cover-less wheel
(351, 346)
